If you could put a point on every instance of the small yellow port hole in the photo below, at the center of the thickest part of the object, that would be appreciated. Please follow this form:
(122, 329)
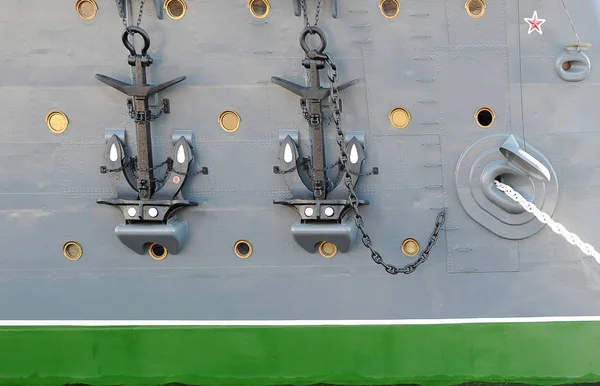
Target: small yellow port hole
(389, 8)
(57, 122)
(410, 247)
(86, 9)
(485, 117)
(175, 8)
(229, 121)
(475, 8)
(72, 250)
(399, 118)
(157, 251)
(242, 249)
(327, 249)
(259, 8)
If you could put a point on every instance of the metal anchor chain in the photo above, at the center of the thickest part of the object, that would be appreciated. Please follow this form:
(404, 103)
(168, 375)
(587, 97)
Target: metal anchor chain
(358, 219)
(123, 13)
(147, 116)
(303, 3)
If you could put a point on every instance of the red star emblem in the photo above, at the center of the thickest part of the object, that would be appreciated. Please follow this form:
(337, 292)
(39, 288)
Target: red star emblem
(535, 24)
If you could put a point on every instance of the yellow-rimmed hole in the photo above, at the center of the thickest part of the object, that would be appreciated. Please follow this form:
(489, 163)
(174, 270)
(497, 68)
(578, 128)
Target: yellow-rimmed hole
(410, 247)
(229, 121)
(57, 122)
(157, 251)
(72, 250)
(327, 249)
(399, 118)
(485, 117)
(259, 8)
(242, 249)
(175, 9)
(389, 8)
(86, 9)
(475, 8)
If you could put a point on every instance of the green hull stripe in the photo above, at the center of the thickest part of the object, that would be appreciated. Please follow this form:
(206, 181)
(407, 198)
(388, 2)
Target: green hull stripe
(541, 353)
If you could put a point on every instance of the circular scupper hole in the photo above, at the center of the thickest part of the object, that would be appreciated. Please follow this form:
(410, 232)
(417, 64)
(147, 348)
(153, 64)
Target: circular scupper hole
(475, 8)
(485, 117)
(410, 247)
(57, 122)
(399, 118)
(157, 251)
(327, 249)
(389, 8)
(242, 249)
(229, 121)
(86, 9)
(175, 8)
(520, 183)
(72, 250)
(259, 8)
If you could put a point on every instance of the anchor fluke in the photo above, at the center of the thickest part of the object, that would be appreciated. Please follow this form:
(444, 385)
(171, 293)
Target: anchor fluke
(344, 86)
(302, 91)
(115, 83)
(136, 90)
(162, 86)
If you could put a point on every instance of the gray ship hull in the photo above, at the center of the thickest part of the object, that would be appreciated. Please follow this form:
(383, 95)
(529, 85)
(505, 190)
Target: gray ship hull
(433, 60)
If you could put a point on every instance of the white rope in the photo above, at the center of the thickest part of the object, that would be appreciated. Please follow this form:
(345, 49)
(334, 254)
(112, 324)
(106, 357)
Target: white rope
(558, 228)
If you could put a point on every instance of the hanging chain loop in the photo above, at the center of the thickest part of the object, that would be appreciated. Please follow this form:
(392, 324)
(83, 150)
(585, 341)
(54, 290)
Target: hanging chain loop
(121, 4)
(545, 218)
(308, 25)
(336, 105)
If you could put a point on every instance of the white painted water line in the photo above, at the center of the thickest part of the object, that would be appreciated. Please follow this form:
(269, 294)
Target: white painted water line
(291, 323)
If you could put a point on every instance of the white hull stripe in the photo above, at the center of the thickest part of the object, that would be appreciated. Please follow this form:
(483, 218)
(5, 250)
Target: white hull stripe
(252, 323)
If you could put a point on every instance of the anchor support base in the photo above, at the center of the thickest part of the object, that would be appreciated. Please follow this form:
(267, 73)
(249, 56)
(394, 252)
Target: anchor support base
(136, 236)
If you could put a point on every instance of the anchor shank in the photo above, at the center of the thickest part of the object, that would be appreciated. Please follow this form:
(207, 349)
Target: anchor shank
(145, 181)
(318, 151)
(317, 136)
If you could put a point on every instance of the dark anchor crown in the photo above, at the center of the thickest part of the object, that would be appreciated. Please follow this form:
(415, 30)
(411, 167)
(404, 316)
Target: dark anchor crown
(322, 217)
(147, 203)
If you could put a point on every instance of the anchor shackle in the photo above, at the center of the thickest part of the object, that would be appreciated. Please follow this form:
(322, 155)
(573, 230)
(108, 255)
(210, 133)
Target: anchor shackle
(131, 30)
(313, 53)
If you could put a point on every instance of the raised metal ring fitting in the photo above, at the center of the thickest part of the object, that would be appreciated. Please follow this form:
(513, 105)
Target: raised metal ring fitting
(133, 30)
(313, 31)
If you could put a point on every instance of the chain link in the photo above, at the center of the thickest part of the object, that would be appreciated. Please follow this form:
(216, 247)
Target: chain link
(123, 12)
(353, 198)
(169, 163)
(303, 3)
(545, 218)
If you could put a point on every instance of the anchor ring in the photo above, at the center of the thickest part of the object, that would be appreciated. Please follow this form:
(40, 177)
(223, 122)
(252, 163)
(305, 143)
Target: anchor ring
(313, 31)
(132, 30)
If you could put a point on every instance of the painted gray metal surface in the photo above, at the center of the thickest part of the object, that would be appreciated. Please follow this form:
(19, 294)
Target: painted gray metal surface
(432, 59)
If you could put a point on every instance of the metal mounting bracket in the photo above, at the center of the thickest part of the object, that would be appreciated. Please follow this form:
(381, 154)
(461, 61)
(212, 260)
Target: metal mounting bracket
(160, 11)
(121, 7)
(335, 8)
(148, 204)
